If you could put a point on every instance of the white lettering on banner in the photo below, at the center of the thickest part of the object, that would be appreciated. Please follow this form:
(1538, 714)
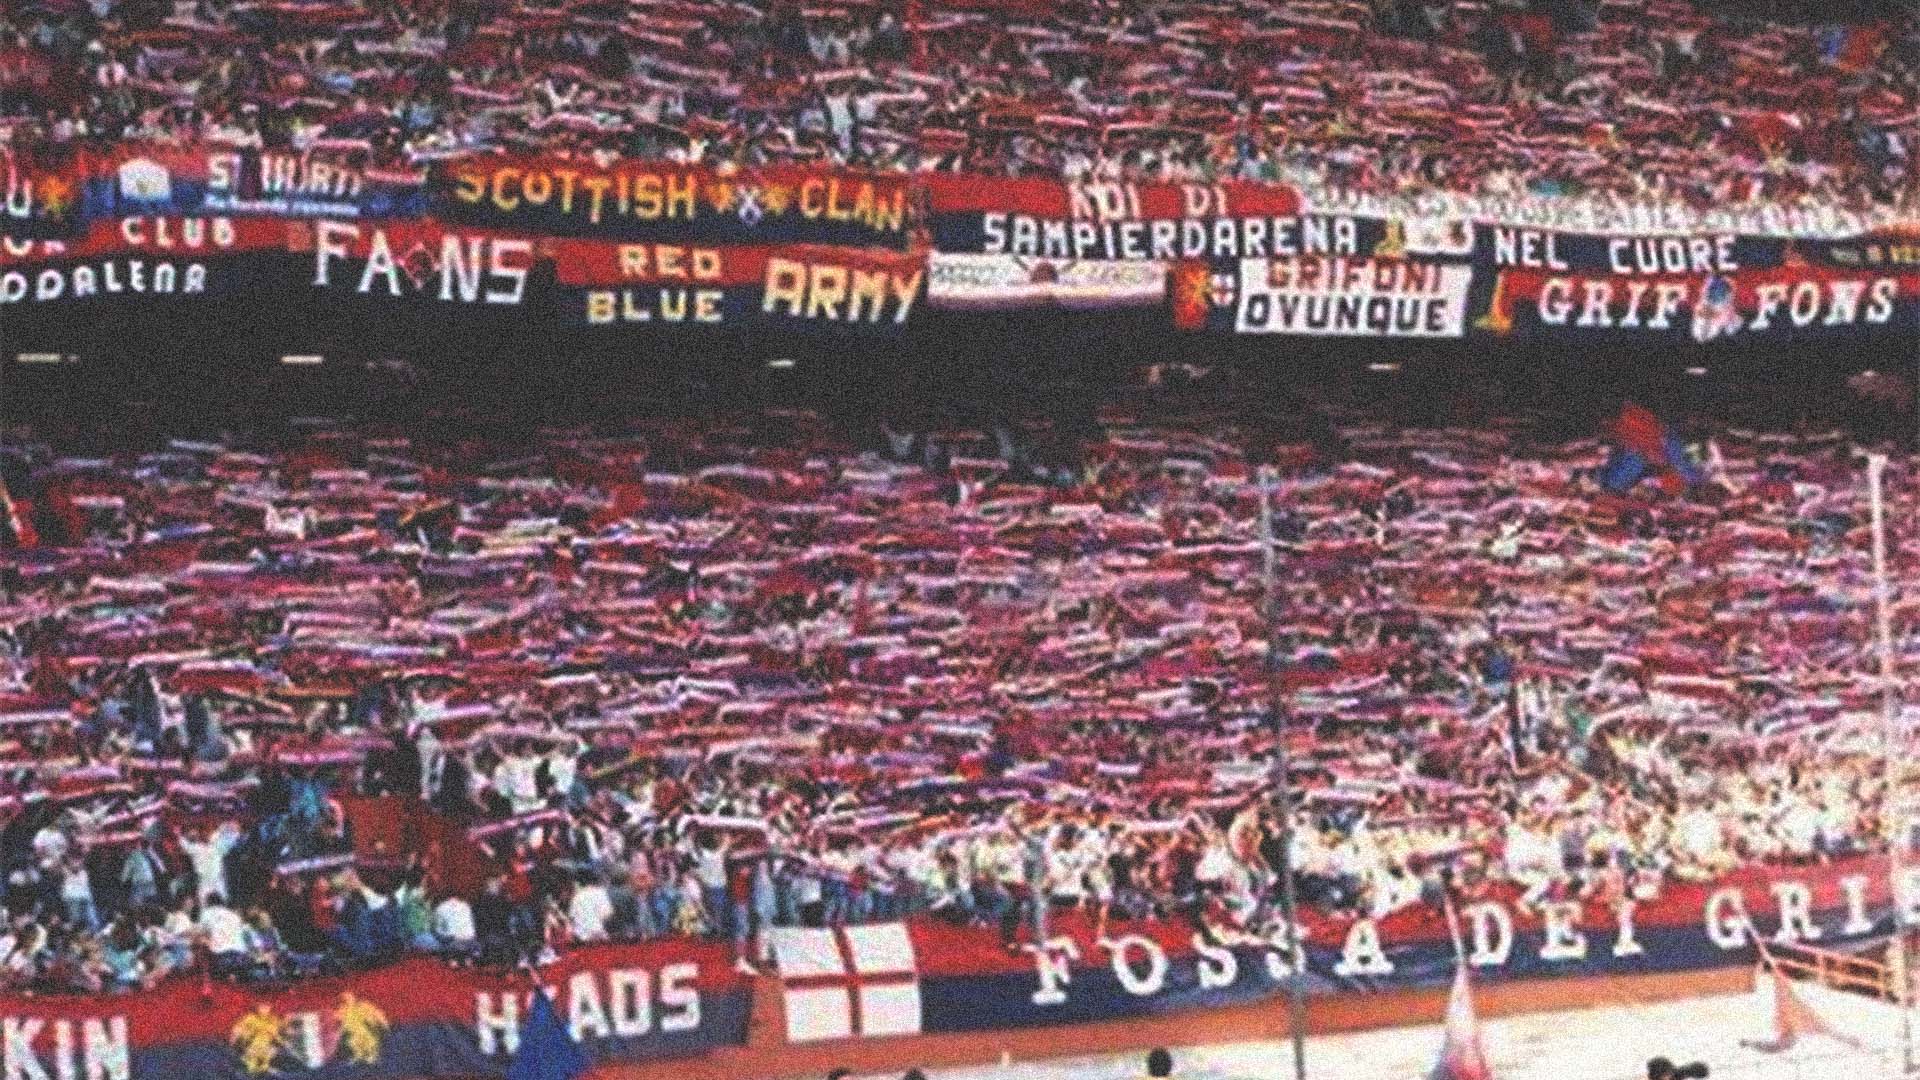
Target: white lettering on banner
(1855, 888)
(1527, 248)
(632, 1002)
(1363, 954)
(1353, 297)
(1053, 962)
(109, 278)
(1488, 919)
(287, 184)
(1603, 303)
(1672, 255)
(1131, 981)
(1285, 957)
(100, 1053)
(1143, 968)
(585, 1014)
(679, 998)
(1796, 912)
(461, 264)
(1104, 201)
(1217, 968)
(165, 234)
(1166, 239)
(26, 248)
(1563, 940)
(1624, 943)
(618, 1003)
(1726, 918)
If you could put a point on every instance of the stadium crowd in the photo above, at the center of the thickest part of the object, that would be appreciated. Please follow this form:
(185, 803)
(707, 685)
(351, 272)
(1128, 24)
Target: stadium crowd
(1645, 100)
(711, 677)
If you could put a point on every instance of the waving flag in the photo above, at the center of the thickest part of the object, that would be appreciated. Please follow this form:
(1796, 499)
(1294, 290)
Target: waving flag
(1644, 446)
(1462, 1056)
(547, 1050)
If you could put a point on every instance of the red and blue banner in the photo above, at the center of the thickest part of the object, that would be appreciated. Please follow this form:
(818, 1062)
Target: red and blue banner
(655, 200)
(418, 1018)
(964, 979)
(158, 258)
(611, 284)
(669, 999)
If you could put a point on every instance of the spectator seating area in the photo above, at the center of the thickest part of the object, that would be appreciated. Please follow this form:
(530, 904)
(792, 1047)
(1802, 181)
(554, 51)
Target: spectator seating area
(1625, 99)
(710, 677)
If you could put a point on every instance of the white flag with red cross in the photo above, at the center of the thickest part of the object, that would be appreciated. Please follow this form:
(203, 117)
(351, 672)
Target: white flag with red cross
(848, 982)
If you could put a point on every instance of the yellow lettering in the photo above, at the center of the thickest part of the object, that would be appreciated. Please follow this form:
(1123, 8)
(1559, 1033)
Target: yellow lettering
(681, 201)
(869, 292)
(469, 188)
(500, 197)
(891, 217)
(810, 203)
(827, 288)
(646, 197)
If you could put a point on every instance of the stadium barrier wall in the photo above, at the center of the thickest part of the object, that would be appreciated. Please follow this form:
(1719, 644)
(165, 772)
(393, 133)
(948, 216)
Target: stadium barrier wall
(926, 978)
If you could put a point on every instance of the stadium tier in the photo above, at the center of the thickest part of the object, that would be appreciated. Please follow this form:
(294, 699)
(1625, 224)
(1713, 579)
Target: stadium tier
(671, 538)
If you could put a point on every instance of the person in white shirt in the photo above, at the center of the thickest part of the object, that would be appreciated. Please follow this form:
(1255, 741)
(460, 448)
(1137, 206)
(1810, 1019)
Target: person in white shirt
(76, 894)
(209, 859)
(225, 933)
(453, 927)
(590, 910)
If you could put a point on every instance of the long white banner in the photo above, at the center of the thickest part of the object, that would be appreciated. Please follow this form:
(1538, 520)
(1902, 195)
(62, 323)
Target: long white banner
(1007, 281)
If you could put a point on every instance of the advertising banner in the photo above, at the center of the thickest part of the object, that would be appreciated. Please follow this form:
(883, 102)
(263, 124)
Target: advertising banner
(1011, 281)
(418, 1018)
(143, 180)
(655, 200)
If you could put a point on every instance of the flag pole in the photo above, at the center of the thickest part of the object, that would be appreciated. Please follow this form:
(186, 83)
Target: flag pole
(1282, 780)
(1890, 751)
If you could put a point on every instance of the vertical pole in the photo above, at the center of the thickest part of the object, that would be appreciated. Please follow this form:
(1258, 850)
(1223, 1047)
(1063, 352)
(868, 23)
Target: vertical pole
(1282, 780)
(1891, 808)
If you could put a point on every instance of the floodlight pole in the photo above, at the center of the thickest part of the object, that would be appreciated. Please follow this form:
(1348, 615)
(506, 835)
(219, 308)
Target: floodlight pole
(1282, 779)
(1890, 751)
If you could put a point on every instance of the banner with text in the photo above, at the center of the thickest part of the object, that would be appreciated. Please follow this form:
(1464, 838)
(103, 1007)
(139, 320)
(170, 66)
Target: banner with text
(654, 200)
(418, 1018)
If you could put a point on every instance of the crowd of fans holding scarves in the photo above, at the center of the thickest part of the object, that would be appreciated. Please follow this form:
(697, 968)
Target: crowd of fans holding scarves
(1658, 101)
(712, 677)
